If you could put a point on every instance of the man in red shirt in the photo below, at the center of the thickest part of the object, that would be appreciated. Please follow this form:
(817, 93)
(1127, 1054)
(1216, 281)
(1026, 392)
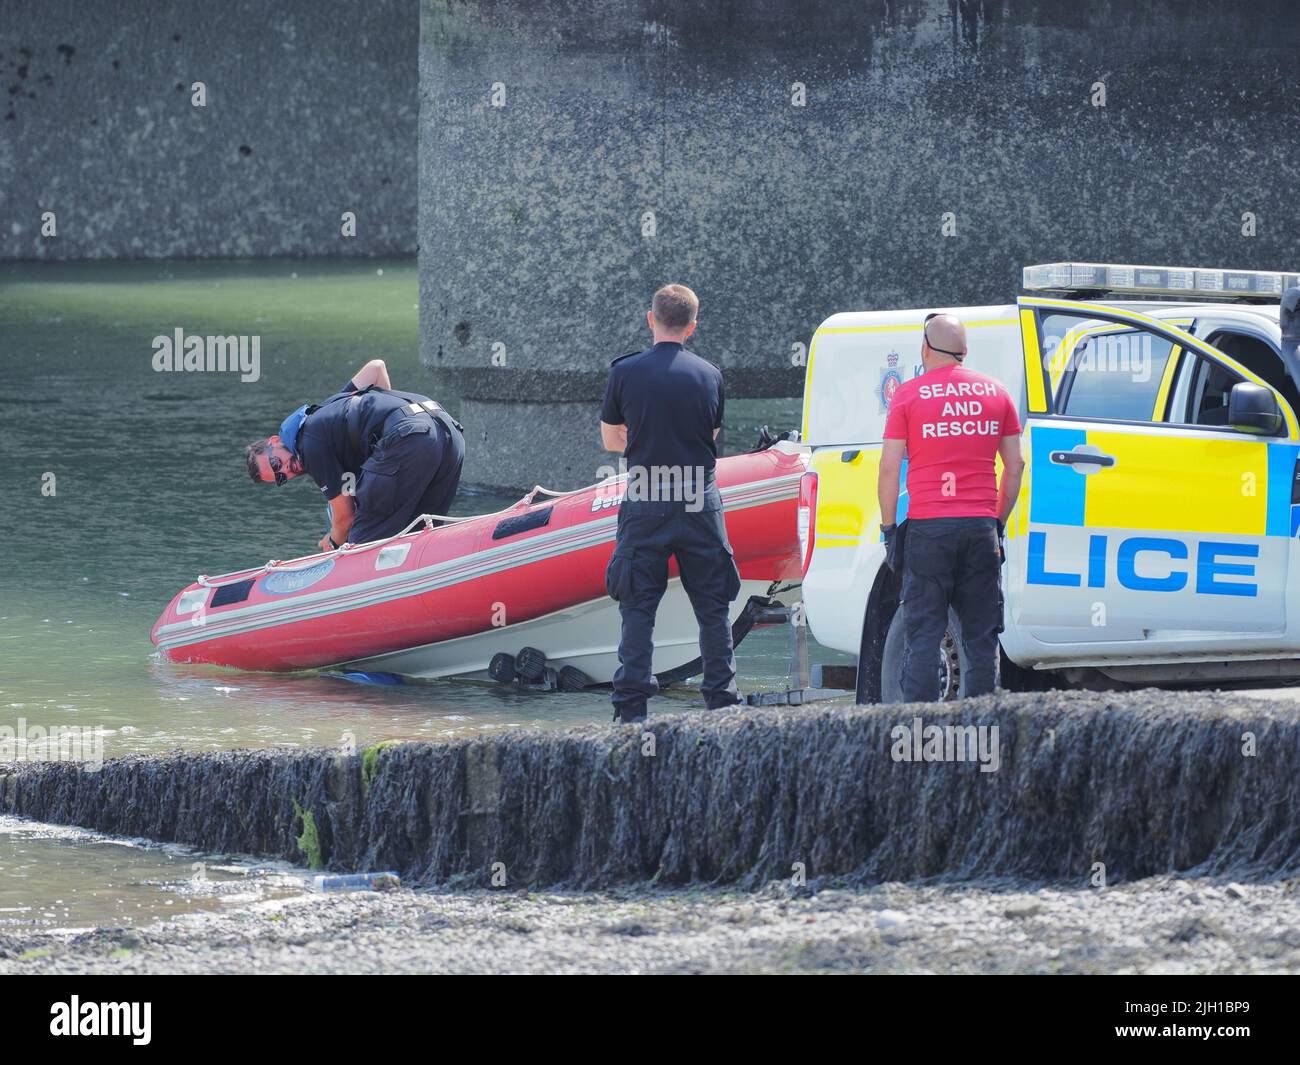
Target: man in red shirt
(951, 422)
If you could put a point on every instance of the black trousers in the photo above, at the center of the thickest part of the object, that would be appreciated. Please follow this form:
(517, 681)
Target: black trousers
(649, 534)
(413, 470)
(950, 562)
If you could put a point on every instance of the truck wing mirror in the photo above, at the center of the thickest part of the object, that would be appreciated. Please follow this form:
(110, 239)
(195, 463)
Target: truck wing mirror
(1252, 409)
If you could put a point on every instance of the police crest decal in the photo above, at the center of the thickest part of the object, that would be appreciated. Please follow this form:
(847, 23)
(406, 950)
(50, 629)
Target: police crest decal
(890, 379)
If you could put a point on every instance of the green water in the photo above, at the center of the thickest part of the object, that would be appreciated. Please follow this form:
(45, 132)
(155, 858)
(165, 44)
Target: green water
(150, 490)
(64, 879)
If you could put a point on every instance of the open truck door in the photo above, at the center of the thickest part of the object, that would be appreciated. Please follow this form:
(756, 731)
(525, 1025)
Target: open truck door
(1155, 516)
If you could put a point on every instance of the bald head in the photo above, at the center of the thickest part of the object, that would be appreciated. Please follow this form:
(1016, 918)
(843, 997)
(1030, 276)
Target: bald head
(945, 336)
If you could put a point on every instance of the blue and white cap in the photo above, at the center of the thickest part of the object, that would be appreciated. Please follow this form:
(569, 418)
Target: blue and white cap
(290, 427)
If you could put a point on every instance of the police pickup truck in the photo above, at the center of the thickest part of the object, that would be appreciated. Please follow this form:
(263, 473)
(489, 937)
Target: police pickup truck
(1154, 535)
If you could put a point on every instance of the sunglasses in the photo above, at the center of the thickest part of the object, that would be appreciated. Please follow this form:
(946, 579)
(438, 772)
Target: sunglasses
(277, 468)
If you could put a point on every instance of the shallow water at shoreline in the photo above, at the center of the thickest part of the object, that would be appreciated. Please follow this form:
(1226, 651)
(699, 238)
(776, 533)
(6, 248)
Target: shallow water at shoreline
(66, 880)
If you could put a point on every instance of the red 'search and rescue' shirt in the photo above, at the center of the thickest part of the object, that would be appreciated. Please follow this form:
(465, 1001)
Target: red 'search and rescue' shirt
(953, 420)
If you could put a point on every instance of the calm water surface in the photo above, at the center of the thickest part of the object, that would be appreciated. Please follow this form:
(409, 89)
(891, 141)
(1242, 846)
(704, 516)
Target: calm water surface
(150, 490)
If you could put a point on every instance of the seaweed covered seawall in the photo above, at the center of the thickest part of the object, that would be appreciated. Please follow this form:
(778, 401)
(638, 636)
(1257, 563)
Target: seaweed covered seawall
(1085, 785)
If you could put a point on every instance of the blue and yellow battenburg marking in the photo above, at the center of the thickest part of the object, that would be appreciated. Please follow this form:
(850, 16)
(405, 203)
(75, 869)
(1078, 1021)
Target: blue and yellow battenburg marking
(1166, 482)
(1174, 483)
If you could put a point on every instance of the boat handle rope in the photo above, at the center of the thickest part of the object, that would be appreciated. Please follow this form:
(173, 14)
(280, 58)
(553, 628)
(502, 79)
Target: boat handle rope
(275, 566)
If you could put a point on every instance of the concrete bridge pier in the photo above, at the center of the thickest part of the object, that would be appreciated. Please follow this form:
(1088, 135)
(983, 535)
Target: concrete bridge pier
(793, 158)
(566, 172)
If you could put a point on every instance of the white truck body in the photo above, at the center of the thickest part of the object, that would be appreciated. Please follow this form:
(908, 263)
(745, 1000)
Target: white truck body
(1170, 559)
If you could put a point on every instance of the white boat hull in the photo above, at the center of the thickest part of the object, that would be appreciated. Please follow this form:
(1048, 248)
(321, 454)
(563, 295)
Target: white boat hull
(584, 636)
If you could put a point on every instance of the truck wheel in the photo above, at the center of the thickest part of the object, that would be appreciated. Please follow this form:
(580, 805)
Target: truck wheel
(951, 663)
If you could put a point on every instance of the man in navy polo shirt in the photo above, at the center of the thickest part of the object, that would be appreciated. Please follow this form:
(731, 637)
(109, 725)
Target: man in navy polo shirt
(662, 411)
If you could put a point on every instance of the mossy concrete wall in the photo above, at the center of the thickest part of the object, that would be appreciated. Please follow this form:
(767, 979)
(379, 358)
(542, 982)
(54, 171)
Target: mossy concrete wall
(793, 159)
(310, 112)
(1141, 783)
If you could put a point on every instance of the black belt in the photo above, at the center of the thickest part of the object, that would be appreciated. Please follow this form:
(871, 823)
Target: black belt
(401, 414)
(410, 411)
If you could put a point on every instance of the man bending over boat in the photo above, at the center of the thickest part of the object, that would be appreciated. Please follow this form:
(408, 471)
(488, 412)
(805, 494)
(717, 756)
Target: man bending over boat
(381, 457)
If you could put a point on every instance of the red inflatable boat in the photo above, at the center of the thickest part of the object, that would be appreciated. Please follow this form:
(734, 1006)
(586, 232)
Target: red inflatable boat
(442, 601)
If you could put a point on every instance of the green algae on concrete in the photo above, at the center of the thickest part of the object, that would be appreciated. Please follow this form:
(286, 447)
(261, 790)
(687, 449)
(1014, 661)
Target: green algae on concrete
(309, 841)
(370, 762)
